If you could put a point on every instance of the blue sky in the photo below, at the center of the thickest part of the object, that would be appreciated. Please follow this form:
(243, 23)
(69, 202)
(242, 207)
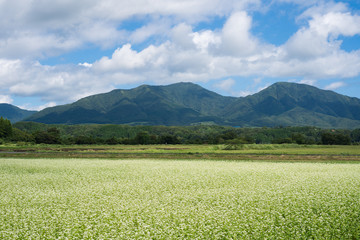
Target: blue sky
(56, 52)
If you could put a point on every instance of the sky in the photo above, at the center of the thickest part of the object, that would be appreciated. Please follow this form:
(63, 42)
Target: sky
(55, 52)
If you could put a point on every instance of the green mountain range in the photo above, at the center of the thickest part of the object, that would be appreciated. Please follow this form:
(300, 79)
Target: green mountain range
(287, 104)
(13, 113)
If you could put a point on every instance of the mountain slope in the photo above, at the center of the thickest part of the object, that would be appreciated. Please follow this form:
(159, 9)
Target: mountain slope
(187, 103)
(13, 113)
(277, 105)
(176, 104)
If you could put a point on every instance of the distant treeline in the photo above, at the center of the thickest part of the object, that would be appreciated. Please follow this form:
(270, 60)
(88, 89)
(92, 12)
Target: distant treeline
(124, 134)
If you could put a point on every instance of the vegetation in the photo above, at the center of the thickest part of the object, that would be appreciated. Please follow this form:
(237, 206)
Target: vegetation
(153, 199)
(243, 152)
(13, 113)
(185, 104)
(125, 134)
(5, 128)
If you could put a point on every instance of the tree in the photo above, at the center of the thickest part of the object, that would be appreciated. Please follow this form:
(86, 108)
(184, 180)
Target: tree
(84, 140)
(50, 136)
(21, 136)
(168, 139)
(142, 137)
(355, 135)
(5, 128)
(299, 138)
(335, 139)
(112, 141)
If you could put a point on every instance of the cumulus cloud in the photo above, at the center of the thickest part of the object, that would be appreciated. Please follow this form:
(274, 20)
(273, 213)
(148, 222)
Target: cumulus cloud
(51, 83)
(41, 107)
(335, 85)
(226, 85)
(42, 28)
(183, 54)
(5, 99)
(311, 82)
(236, 37)
(122, 59)
(321, 37)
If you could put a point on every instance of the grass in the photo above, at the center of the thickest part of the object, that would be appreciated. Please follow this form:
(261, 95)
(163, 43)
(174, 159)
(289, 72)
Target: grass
(168, 199)
(242, 152)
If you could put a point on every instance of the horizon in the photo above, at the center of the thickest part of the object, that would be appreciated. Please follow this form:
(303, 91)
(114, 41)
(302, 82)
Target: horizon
(55, 53)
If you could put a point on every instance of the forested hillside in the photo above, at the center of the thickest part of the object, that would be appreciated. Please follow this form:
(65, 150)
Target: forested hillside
(185, 104)
(13, 113)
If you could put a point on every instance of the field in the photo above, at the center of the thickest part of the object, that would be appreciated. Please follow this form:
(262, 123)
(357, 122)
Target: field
(277, 152)
(299, 196)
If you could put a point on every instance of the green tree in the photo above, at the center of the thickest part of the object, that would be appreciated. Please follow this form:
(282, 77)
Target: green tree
(142, 137)
(168, 139)
(50, 136)
(5, 128)
(21, 136)
(335, 139)
(355, 135)
(299, 138)
(112, 141)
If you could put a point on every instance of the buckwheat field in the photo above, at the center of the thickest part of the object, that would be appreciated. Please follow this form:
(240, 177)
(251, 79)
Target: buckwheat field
(178, 199)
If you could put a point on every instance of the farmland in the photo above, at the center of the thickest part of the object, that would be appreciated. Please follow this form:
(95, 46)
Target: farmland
(312, 194)
(211, 152)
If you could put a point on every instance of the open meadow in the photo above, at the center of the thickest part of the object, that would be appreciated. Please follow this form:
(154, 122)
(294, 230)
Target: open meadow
(183, 198)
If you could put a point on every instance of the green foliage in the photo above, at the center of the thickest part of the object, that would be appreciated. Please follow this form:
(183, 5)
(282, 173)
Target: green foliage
(50, 136)
(21, 136)
(355, 135)
(84, 140)
(180, 104)
(112, 141)
(299, 138)
(13, 113)
(142, 138)
(5, 128)
(335, 139)
(125, 134)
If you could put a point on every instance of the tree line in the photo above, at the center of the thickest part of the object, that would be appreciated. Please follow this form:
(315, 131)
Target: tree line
(37, 133)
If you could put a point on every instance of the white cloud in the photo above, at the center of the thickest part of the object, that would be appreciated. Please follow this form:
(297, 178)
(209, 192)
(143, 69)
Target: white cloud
(181, 36)
(312, 53)
(46, 28)
(38, 108)
(244, 93)
(335, 85)
(320, 38)
(58, 83)
(203, 40)
(85, 64)
(236, 37)
(335, 24)
(123, 58)
(155, 28)
(311, 82)
(50, 104)
(5, 99)
(226, 85)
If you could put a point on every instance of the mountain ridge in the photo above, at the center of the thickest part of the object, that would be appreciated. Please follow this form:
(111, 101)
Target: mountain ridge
(13, 113)
(283, 103)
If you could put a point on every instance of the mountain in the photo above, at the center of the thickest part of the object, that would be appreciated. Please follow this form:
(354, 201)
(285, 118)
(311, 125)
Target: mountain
(13, 113)
(176, 104)
(295, 104)
(287, 104)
